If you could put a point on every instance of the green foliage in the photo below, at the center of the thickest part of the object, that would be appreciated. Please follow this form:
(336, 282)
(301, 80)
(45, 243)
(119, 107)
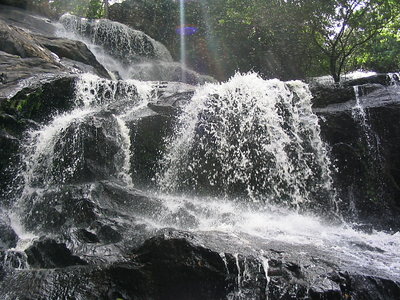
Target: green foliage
(269, 37)
(381, 54)
(83, 8)
(277, 38)
(341, 27)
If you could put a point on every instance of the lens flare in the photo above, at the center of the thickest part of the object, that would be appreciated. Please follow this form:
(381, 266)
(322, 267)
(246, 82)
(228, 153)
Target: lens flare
(186, 30)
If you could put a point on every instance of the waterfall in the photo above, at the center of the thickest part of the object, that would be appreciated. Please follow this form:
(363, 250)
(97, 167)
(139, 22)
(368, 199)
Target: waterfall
(118, 40)
(226, 185)
(253, 137)
(92, 141)
(360, 116)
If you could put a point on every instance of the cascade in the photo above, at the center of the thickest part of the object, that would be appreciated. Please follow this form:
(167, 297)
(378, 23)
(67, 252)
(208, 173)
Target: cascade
(238, 181)
(129, 53)
(252, 137)
(360, 115)
(89, 142)
(122, 43)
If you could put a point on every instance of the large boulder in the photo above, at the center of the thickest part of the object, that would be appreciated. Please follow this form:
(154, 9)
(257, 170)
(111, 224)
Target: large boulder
(18, 42)
(178, 265)
(29, 52)
(327, 94)
(41, 99)
(73, 50)
(149, 129)
(48, 254)
(364, 140)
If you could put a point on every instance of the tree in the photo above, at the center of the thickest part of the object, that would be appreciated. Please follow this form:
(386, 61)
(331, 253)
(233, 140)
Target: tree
(84, 8)
(340, 27)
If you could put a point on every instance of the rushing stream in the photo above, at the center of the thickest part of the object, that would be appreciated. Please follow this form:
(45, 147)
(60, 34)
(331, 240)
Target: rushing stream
(244, 166)
(245, 127)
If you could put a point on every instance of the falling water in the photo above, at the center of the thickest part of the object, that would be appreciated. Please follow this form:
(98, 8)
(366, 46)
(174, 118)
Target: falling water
(359, 114)
(115, 45)
(60, 152)
(248, 139)
(251, 137)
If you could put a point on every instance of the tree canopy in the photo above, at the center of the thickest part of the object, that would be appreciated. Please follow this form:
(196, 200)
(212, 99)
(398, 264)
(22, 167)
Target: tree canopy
(277, 38)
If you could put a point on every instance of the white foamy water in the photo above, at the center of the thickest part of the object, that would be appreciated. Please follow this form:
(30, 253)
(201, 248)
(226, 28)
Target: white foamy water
(116, 46)
(373, 251)
(251, 136)
(55, 153)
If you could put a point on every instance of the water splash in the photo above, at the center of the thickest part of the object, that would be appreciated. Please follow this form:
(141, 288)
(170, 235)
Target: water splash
(61, 151)
(250, 137)
(245, 225)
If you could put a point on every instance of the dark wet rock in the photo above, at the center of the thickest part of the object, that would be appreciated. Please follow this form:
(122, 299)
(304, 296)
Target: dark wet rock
(107, 234)
(100, 212)
(328, 94)
(118, 196)
(380, 79)
(18, 42)
(9, 146)
(149, 129)
(93, 141)
(370, 287)
(49, 254)
(171, 96)
(365, 153)
(182, 270)
(325, 95)
(147, 140)
(180, 266)
(85, 236)
(120, 280)
(55, 211)
(8, 238)
(73, 50)
(39, 101)
(25, 72)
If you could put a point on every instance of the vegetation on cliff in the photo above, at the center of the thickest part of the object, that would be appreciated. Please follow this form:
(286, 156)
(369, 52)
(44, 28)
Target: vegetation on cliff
(285, 39)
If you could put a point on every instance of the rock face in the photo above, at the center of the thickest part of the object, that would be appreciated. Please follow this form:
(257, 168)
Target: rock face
(73, 50)
(363, 137)
(174, 265)
(27, 56)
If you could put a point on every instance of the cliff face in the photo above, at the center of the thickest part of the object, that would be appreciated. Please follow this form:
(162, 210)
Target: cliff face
(359, 122)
